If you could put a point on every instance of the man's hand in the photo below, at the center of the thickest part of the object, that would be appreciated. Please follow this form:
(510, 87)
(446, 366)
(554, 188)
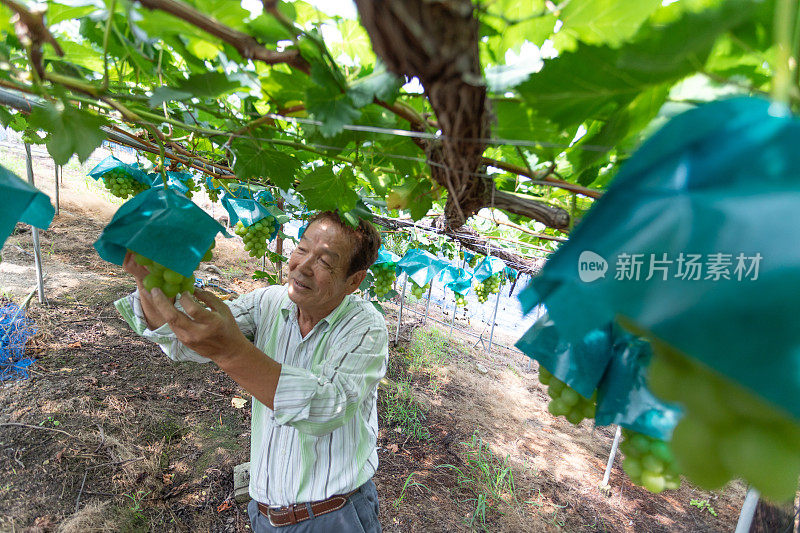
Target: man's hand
(152, 316)
(212, 333)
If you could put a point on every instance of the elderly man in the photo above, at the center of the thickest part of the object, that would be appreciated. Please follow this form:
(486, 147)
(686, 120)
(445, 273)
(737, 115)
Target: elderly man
(311, 354)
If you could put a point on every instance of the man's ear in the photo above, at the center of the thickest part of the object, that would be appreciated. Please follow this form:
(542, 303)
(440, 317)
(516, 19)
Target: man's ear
(354, 281)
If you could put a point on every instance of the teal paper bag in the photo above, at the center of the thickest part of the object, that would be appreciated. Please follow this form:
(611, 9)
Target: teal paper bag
(623, 397)
(163, 226)
(174, 182)
(246, 211)
(488, 267)
(386, 257)
(21, 203)
(111, 163)
(696, 242)
(580, 365)
(420, 266)
(457, 280)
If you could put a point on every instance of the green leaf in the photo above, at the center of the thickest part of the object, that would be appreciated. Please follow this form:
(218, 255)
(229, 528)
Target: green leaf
(258, 159)
(231, 14)
(272, 279)
(335, 111)
(166, 94)
(381, 84)
(421, 201)
(59, 12)
(593, 81)
(517, 121)
(609, 22)
(267, 29)
(632, 118)
(208, 85)
(355, 43)
(5, 117)
(326, 190)
(69, 131)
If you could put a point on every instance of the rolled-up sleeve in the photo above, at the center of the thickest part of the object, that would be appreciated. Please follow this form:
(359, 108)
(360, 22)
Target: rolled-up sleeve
(322, 399)
(245, 309)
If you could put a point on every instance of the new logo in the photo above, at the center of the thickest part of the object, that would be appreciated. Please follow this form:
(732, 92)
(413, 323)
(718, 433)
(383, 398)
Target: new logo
(591, 266)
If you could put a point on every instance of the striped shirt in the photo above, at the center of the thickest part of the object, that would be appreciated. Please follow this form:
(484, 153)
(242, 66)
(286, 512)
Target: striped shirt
(321, 438)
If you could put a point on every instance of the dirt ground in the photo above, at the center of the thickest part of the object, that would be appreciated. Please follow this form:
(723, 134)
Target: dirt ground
(110, 435)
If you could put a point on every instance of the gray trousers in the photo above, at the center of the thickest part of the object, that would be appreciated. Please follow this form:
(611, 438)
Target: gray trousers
(359, 515)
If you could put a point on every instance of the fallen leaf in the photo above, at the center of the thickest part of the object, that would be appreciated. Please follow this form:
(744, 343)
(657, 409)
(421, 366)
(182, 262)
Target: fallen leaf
(238, 402)
(74, 345)
(393, 448)
(224, 506)
(60, 454)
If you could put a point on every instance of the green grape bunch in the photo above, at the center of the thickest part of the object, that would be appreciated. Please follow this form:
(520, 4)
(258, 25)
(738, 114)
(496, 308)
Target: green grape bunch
(727, 431)
(121, 184)
(384, 278)
(566, 401)
(256, 236)
(418, 291)
(170, 282)
(649, 462)
(461, 300)
(473, 261)
(490, 285)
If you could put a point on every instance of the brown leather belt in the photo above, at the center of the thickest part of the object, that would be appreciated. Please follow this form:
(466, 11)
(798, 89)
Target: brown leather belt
(284, 516)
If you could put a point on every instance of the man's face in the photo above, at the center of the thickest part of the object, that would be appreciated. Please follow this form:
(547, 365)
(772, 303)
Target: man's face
(318, 279)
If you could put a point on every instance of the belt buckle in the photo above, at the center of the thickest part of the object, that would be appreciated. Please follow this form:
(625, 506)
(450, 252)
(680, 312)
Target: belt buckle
(269, 516)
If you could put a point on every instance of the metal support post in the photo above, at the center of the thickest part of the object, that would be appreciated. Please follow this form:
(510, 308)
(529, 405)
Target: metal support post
(748, 510)
(400, 316)
(455, 307)
(428, 305)
(494, 320)
(37, 251)
(611, 456)
(55, 169)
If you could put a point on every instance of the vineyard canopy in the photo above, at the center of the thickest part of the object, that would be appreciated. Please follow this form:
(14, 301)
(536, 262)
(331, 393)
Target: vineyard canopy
(437, 108)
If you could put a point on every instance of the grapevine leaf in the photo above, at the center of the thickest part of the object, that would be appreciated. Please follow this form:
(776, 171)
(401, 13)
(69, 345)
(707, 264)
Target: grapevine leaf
(254, 158)
(69, 131)
(593, 146)
(166, 94)
(268, 29)
(327, 103)
(208, 85)
(609, 22)
(334, 111)
(380, 84)
(326, 190)
(59, 12)
(5, 117)
(272, 279)
(594, 81)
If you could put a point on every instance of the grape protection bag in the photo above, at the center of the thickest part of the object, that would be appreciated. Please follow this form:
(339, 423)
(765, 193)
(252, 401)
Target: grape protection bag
(174, 182)
(420, 266)
(580, 365)
(488, 268)
(457, 280)
(696, 244)
(246, 211)
(386, 257)
(21, 202)
(162, 225)
(623, 397)
(111, 163)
